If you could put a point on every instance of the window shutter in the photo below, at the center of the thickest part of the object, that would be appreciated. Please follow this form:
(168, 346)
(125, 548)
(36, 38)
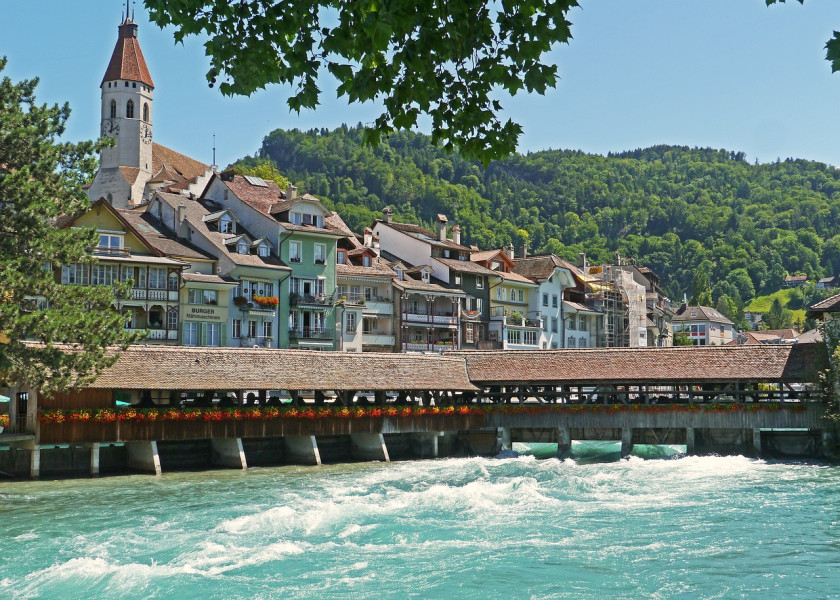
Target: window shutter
(223, 334)
(202, 334)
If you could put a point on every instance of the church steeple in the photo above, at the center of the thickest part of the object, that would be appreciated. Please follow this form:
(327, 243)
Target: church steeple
(127, 95)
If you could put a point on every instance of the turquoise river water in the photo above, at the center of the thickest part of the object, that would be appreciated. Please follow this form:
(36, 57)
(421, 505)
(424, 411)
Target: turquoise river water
(507, 527)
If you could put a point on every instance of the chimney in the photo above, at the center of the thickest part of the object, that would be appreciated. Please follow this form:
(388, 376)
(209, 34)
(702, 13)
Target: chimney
(376, 246)
(291, 192)
(582, 260)
(368, 237)
(510, 250)
(388, 214)
(523, 250)
(617, 258)
(441, 227)
(456, 234)
(182, 215)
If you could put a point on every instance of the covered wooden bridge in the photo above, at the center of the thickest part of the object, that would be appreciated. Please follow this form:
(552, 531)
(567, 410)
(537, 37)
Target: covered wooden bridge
(278, 401)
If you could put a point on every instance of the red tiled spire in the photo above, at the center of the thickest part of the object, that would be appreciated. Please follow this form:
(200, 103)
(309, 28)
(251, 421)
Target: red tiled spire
(127, 61)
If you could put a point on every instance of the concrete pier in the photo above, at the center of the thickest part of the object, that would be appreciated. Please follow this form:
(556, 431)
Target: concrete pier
(228, 452)
(690, 447)
(757, 442)
(369, 446)
(143, 456)
(94, 459)
(626, 442)
(302, 449)
(564, 442)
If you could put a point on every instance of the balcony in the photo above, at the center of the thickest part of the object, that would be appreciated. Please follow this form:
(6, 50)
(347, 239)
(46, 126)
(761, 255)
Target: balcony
(259, 342)
(377, 339)
(311, 333)
(383, 307)
(310, 300)
(434, 319)
(423, 347)
(157, 334)
(510, 318)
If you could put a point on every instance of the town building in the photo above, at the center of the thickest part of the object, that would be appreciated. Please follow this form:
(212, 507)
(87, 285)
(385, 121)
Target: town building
(242, 308)
(295, 226)
(364, 292)
(795, 281)
(704, 326)
(777, 336)
(135, 165)
(559, 302)
(827, 283)
(511, 327)
(133, 247)
(447, 266)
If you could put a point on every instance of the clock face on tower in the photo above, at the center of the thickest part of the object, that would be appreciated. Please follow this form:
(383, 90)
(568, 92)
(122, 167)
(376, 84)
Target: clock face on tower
(110, 127)
(146, 133)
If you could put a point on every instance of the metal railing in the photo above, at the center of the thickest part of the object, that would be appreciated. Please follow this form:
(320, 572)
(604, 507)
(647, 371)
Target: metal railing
(311, 333)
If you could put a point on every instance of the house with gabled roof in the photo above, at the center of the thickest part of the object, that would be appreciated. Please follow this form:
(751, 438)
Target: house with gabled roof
(449, 263)
(511, 327)
(559, 301)
(704, 326)
(297, 228)
(134, 247)
(246, 309)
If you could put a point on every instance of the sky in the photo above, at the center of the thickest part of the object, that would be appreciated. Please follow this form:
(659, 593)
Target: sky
(732, 74)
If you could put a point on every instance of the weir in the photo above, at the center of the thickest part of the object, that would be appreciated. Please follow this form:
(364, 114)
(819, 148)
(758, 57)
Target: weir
(231, 408)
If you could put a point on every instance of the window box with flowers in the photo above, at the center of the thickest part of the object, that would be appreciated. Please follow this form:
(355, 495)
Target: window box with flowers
(266, 301)
(240, 301)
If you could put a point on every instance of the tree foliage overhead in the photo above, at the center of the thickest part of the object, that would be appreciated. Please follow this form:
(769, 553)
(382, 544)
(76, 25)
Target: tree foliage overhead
(438, 58)
(706, 221)
(40, 180)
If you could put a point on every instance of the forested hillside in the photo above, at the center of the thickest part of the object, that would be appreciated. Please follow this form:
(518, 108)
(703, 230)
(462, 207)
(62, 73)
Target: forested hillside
(709, 223)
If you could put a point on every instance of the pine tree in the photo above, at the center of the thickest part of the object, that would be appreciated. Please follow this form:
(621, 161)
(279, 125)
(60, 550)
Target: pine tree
(41, 180)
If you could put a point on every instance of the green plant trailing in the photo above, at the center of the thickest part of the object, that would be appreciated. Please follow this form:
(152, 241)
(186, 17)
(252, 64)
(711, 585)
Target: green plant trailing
(41, 180)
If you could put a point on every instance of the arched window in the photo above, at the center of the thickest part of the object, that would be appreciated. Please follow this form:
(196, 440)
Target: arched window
(129, 109)
(173, 281)
(113, 109)
(146, 112)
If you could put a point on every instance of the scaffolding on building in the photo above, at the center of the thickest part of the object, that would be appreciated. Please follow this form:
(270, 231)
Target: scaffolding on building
(622, 304)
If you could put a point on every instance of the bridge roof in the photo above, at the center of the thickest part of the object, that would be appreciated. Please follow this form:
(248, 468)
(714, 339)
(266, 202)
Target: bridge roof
(189, 368)
(791, 363)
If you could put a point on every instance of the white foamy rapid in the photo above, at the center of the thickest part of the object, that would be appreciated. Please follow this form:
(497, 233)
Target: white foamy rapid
(509, 527)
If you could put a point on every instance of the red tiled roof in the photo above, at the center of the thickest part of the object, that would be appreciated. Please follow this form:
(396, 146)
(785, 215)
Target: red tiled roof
(130, 174)
(175, 163)
(701, 313)
(127, 60)
(542, 266)
(795, 363)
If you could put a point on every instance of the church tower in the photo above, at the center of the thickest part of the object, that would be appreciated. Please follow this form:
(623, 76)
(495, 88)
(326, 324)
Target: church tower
(126, 115)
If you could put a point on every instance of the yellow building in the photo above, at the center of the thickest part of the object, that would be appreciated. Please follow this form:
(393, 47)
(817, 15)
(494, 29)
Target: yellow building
(509, 329)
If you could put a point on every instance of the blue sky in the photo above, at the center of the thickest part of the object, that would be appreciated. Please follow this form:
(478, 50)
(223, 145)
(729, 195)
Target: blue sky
(731, 74)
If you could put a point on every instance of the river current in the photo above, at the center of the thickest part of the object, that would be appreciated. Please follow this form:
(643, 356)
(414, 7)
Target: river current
(515, 526)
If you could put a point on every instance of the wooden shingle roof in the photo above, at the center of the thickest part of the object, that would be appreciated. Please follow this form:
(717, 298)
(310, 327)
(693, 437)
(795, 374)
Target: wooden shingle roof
(187, 368)
(127, 62)
(794, 363)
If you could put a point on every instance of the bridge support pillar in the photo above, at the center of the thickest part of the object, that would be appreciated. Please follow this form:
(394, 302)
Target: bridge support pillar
(426, 444)
(302, 449)
(369, 446)
(228, 452)
(143, 456)
(756, 435)
(829, 444)
(690, 448)
(564, 442)
(94, 459)
(504, 439)
(626, 441)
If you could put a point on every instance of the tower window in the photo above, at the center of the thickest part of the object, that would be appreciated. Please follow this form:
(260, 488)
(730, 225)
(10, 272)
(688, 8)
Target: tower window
(113, 109)
(133, 84)
(146, 112)
(129, 110)
(126, 84)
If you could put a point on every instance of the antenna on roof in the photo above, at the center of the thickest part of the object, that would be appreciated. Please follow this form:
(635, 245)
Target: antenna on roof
(214, 150)
(132, 9)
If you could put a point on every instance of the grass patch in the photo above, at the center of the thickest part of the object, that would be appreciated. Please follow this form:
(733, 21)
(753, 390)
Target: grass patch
(762, 304)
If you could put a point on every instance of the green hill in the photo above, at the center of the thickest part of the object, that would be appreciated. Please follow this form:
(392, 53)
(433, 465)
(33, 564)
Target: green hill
(702, 219)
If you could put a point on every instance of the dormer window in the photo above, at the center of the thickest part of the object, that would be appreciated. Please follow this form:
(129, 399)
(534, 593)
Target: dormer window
(366, 261)
(242, 247)
(262, 250)
(341, 257)
(109, 242)
(226, 225)
(425, 276)
(400, 273)
(129, 109)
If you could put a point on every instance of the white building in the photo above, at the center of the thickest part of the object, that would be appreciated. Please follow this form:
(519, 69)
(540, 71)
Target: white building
(702, 325)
